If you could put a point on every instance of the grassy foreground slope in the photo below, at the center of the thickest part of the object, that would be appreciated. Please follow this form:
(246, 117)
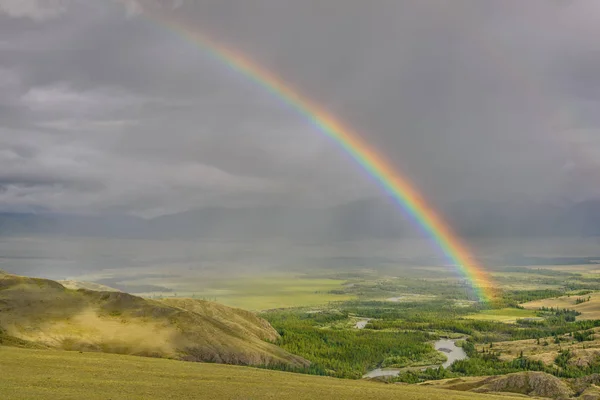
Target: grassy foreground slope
(47, 374)
(45, 313)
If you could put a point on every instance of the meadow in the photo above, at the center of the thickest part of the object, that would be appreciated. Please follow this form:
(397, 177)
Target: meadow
(261, 293)
(583, 348)
(588, 304)
(508, 315)
(48, 375)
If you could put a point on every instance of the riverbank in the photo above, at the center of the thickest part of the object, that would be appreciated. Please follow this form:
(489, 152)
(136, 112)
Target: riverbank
(446, 346)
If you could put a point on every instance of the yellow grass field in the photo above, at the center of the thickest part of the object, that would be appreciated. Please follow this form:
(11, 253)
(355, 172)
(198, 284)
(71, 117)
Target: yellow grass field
(546, 349)
(51, 375)
(508, 315)
(589, 309)
(258, 294)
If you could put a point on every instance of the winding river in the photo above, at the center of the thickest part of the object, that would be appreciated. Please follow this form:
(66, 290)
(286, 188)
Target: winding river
(362, 323)
(447, 346)
(451, 350)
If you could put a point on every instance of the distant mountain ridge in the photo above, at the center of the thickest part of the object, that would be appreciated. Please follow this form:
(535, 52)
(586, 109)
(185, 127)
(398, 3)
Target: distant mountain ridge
(372, 218)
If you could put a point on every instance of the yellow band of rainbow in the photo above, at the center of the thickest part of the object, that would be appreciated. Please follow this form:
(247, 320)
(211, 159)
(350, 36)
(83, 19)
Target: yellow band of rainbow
(392, 181)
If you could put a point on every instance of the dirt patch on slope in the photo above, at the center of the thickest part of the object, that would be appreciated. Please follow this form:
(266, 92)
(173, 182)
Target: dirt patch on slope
(528, 383)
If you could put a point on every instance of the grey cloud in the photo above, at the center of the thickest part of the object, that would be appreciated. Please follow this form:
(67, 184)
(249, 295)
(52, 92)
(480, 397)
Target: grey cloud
(471, 100)
(137, 7)
(37, 10)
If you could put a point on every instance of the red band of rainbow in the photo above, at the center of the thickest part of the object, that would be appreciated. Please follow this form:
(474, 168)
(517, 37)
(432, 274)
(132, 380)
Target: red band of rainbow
(391, 180)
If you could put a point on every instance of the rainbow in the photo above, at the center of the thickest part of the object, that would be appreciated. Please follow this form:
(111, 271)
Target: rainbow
(398, 186)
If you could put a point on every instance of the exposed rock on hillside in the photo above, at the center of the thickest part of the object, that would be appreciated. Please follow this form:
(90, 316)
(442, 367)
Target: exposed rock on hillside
(529, 383)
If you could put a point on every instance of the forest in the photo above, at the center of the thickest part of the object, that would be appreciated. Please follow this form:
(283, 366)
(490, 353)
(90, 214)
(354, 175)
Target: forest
(350, 353)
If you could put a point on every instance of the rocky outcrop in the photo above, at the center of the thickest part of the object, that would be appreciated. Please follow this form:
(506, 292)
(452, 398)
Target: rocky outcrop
(537, 384)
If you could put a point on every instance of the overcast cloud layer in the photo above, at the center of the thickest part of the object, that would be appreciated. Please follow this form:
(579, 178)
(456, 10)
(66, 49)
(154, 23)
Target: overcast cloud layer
(105, 110)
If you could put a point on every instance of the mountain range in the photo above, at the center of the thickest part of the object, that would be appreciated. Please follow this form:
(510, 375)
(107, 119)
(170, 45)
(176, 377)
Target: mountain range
(372, 218)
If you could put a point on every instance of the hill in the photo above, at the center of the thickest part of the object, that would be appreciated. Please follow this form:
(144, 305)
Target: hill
(39, 312)
(589, 309)
(72, 284)
(536, 384)
(45, 374)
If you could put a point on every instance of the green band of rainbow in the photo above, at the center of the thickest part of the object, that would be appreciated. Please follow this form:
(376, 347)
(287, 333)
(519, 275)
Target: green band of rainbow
(396, 185)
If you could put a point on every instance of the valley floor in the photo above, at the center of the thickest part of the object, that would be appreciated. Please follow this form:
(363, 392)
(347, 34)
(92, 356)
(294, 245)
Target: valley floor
(50, 374)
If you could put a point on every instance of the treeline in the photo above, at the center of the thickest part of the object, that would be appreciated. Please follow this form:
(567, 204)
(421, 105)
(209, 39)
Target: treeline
(583, 284)
(512, 298)
(459, 290)
(462, 290)
(415, 311)
(482, 331)
(559, 311)
(538, 271)
(580, 300)
(557, 316)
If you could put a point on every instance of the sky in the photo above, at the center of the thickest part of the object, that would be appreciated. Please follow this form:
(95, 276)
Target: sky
(104, 109)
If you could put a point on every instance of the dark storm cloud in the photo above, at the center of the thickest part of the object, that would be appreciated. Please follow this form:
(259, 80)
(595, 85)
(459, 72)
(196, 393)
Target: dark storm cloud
(471, 100)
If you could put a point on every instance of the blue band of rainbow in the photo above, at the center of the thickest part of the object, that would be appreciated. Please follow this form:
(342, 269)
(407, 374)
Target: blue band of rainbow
(399, 187)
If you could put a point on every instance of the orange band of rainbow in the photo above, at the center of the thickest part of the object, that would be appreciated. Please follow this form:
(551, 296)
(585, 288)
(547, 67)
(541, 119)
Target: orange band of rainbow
(392, 181)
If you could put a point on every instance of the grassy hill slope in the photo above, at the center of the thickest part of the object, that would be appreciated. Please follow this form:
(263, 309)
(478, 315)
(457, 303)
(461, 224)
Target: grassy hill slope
(48, 374)
(44, 313)
(588, 309)
(72, 284)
